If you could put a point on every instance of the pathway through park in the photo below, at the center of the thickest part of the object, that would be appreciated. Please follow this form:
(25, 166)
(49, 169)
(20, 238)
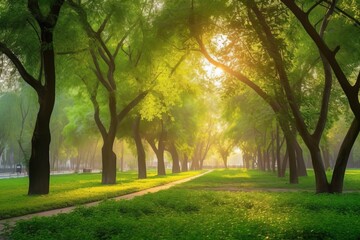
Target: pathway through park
(12, 221)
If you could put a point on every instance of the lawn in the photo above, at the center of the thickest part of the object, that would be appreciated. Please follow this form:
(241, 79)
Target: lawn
(202, 209)
(253, 179)
(72, 189)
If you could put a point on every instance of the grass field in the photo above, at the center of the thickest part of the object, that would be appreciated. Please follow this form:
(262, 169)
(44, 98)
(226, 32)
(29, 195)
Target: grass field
(248, 179)
(72, 189)
(204, 209)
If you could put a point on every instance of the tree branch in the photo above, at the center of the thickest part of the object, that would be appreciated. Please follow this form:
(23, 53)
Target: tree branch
(98, 72)
(103, 25)
(29, 79)
(320, 126)
(131, 105)
(350, 93)
(313, 6)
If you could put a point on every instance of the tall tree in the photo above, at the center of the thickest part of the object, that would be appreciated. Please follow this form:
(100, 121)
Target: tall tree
(39, 166)
(351, 91)
(312, 140)
(104, 66)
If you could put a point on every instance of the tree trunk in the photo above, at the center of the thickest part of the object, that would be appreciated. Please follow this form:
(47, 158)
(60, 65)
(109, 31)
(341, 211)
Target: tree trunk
(284, 163)
(322, 185)
(273, 155)
(139, 149)
(39, 165)
(161, 163)
(159, 152)
(184, 163)
(278, 152)
(337, 180)
(175, 158)
(225, 158)
(108, 163)
(290, 144)
(301, 167)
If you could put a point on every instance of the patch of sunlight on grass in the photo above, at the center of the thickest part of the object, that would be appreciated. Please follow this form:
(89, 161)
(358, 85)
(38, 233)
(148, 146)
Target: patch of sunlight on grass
(73, 189)
(241, 178)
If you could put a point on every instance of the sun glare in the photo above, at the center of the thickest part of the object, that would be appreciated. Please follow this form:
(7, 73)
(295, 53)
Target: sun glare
(212, 71)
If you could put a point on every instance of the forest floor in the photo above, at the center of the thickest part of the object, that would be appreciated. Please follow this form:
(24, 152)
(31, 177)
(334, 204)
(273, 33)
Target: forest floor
(224, 204)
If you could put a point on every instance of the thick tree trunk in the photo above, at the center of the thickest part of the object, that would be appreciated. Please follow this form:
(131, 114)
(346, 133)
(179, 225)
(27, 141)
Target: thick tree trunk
(322, 185)
(39, 165)
(175, 158)
(161, 163)
(337, 180)
(108, 163)
(139, 149)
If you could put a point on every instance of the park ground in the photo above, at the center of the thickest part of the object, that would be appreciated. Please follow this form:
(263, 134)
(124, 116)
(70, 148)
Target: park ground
(223, 204)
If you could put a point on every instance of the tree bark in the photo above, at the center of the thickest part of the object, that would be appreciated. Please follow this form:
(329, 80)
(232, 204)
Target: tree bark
(139, 149)
(175, 158)
(159, 150)
(290, 144)
(39, 165)
(337, 181)
(108, 163)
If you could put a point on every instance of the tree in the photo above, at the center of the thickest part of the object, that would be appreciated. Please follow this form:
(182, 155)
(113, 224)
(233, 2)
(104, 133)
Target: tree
(39, 166)
(104, 65)
(351, 92)
(276, 101)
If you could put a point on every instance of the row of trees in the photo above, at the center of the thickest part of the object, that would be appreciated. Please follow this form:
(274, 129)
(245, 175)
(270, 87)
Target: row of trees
(136, 70)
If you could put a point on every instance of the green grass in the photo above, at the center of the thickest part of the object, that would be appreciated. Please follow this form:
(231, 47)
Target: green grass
(190, 212)
(73, 189)
(241, 178)
(193, 211)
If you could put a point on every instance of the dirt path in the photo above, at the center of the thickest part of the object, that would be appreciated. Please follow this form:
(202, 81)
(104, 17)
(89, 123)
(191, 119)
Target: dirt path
(12, 221)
